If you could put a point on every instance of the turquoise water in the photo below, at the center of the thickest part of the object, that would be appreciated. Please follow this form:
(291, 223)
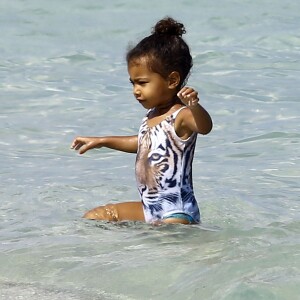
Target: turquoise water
(63, 74)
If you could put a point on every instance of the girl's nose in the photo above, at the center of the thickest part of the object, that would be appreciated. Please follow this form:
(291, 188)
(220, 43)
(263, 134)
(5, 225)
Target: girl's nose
(136, 91)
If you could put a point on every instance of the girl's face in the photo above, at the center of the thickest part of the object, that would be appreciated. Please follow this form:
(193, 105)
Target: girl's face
(149, 88)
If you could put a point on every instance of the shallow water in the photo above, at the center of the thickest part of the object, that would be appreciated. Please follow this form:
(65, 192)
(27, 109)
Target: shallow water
(63, 74)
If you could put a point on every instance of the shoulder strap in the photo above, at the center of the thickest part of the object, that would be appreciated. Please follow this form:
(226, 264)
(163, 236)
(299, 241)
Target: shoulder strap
(174, 114)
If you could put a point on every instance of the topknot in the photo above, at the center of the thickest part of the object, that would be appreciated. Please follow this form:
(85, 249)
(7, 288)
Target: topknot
(169, 26)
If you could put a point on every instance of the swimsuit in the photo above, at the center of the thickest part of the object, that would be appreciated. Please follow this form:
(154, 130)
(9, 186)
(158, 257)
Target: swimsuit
(181, 216)
(164, 171)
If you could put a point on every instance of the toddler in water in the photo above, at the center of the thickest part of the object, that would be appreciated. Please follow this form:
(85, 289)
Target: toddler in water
(158, 67)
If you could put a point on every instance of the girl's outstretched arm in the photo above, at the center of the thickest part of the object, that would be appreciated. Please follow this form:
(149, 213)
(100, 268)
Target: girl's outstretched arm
(121, 143)
(196, 119)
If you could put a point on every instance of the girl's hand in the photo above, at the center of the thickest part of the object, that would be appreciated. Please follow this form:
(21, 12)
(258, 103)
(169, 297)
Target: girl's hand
(83, 144)
(188, 96)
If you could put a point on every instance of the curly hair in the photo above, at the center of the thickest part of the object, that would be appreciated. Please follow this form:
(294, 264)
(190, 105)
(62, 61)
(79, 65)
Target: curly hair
(165, 50)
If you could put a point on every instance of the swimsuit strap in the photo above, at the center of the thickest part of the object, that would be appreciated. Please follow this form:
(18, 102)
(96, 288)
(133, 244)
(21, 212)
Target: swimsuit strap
(174, 114)
(168, 118)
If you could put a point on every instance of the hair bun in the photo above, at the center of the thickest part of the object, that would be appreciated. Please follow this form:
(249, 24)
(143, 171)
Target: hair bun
(169, 26)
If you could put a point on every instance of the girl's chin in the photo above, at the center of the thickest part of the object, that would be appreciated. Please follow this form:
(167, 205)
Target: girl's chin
(146, 105)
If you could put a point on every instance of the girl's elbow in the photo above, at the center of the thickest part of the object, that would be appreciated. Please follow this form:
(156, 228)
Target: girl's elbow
(205, 132)
(207, 129)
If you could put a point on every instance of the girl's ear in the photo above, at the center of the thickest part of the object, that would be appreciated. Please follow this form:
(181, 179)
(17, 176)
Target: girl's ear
(174, 80)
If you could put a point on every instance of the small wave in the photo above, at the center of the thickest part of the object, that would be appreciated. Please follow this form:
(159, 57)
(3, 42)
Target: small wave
(74, 58)
(267, 136)
(14, 290)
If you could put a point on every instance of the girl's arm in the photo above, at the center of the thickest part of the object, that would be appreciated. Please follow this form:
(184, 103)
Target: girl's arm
(121, 143)
(196, 119)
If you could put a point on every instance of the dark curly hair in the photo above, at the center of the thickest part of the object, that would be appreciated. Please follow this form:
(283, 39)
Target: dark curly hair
(165, 50)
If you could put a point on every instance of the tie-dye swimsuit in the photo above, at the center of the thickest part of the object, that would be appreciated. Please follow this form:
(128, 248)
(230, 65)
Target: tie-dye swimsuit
(164, 171)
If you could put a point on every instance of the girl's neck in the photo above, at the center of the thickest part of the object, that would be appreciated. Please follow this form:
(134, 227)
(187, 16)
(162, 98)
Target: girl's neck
(162, 109)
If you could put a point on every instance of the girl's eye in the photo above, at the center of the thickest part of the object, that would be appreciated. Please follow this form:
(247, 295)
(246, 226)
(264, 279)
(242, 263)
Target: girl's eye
(138, 82)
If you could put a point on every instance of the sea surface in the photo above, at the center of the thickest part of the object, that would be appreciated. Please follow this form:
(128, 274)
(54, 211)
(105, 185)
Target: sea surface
(63, 74)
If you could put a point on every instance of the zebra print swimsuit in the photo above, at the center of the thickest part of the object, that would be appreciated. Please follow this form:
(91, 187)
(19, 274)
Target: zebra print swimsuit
(164, 171)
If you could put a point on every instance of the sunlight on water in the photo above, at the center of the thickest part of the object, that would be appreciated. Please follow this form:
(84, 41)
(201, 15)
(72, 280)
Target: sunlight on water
(63, 74)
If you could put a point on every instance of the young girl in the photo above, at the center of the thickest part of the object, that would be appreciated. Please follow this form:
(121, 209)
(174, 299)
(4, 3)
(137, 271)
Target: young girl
(158, 67)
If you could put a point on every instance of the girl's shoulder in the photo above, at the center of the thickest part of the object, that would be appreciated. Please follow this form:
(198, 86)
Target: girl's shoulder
(181, 117)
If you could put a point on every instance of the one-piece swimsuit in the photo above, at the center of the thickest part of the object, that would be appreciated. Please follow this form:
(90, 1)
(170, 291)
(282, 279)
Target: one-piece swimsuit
(164, 171)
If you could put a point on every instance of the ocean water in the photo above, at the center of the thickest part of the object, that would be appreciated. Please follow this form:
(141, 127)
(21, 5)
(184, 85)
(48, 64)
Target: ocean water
(63, 74)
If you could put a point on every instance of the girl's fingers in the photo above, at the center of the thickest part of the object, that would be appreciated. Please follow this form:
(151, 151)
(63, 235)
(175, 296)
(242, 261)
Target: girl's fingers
(78, 146)
(74, 145)
(188, 96)
(78, 142)
(182, 92)
(83, 144)
(83, 149)
(187, 92)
